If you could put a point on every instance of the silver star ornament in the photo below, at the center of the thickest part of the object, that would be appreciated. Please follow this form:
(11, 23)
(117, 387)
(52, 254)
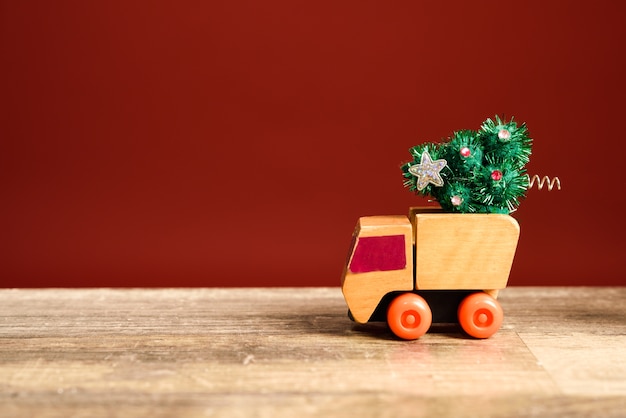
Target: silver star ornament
(427, 171)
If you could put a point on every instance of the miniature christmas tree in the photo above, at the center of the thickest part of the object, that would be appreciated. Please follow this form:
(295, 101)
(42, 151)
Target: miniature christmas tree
(474, 171)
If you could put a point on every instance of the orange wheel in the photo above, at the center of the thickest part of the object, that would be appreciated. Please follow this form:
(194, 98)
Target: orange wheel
(480, 315)
(409, 316)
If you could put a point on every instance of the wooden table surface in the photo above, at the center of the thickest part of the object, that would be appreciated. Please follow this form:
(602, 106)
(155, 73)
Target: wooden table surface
(293, 352)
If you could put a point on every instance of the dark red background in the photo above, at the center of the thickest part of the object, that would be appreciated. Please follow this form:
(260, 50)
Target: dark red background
(235, 143)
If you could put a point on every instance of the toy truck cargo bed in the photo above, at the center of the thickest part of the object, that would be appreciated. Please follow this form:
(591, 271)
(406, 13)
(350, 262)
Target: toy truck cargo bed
(463, 251)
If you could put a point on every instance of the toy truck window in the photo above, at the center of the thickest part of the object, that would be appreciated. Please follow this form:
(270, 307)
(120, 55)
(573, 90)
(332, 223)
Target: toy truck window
(379, 254)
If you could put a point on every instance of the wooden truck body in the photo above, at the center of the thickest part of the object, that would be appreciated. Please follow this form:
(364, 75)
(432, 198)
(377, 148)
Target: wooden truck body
(399, 266)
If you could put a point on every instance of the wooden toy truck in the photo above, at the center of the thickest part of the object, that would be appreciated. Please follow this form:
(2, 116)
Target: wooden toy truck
(430, 267)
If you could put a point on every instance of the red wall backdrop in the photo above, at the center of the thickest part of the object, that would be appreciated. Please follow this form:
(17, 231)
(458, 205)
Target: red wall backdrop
(235, 143)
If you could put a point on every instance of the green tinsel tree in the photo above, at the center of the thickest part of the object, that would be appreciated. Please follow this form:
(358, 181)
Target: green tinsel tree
(474, 171)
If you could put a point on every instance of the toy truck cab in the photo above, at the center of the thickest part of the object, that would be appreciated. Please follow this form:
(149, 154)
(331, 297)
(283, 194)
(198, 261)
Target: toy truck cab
(397, 265)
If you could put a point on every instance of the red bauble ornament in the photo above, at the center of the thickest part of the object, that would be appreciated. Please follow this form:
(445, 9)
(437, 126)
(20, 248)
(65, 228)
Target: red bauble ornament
(504, 135)
(456, 200)
(465, 152)
(496, 175)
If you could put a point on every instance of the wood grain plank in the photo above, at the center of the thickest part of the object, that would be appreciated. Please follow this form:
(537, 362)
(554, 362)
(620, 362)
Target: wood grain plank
(577, 334)
(290, 352)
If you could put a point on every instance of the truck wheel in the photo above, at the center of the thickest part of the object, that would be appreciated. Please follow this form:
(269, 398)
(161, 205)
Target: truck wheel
(409, 316)
(480, 315)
